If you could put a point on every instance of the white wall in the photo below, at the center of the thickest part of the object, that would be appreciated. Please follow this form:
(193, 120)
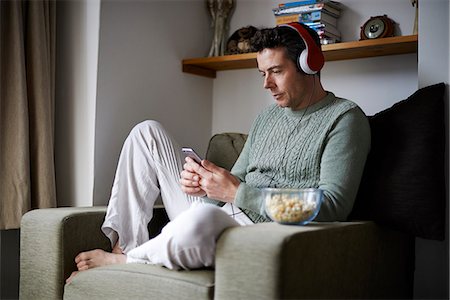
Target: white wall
(139, 78)
(141, 47)
(76, 84)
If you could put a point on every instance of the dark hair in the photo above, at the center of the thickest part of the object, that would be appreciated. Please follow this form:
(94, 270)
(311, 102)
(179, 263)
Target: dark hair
(282, 37)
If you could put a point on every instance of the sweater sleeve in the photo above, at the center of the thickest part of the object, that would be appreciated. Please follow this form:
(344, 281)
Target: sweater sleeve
(240, 166)
(246, 197)
(342, 165)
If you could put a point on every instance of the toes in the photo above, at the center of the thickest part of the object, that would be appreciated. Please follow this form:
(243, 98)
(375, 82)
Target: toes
(82, 257)
(83, 267)
(69, 280)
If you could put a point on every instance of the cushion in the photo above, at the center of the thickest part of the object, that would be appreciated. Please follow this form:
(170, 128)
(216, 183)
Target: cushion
(140, 281)
(403, 185)
(224, 149)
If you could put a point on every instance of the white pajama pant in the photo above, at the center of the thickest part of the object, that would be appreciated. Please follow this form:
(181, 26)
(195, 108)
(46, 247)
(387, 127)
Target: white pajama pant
(149, 165)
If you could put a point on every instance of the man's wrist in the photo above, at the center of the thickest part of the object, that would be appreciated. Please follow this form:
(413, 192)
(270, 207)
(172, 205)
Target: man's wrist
(233, 191)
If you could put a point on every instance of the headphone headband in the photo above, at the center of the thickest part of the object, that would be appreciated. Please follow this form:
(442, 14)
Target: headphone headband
(311, 60)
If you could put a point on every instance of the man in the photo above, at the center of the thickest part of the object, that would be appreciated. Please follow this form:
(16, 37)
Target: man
(308, 138)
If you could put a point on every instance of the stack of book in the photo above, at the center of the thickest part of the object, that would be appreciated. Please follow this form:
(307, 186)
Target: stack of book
(320, 15)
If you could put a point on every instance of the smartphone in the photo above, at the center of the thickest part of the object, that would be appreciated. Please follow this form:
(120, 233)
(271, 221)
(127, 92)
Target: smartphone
(192, 154)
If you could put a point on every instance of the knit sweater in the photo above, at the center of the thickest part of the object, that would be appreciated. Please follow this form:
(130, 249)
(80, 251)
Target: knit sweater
(323, 146)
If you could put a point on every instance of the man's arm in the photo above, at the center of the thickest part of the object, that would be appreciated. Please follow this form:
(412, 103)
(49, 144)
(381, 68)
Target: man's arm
(342, 165)
(240, 166)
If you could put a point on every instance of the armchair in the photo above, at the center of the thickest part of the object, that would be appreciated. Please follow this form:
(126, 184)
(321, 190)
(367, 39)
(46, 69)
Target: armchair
(265, 261)
(369, 256)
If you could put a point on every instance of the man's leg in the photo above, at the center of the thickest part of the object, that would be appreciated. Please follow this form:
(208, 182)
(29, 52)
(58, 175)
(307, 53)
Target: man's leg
(96, 258)
(188, 241)
(149, 165)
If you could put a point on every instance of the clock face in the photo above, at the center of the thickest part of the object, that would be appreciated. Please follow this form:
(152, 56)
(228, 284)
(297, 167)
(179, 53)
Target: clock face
(374, 28)
(377, 27)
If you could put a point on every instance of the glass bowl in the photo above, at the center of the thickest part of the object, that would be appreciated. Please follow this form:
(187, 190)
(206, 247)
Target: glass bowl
(292, 206)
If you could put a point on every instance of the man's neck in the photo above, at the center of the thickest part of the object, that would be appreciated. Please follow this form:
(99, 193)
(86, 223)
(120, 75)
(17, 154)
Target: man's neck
(316, 95)
(318, 91)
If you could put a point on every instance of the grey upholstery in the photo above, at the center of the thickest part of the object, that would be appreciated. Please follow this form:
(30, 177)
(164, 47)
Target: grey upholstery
(138, 281)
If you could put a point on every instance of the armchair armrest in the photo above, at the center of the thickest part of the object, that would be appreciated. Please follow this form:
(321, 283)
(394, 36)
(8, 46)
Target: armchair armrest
(320, 260)
(50, 240)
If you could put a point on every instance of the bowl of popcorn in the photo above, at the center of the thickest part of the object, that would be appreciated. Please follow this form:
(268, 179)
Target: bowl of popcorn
(292, 206)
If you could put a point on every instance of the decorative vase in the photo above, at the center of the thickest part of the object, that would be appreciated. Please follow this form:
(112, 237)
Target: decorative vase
(220, 11)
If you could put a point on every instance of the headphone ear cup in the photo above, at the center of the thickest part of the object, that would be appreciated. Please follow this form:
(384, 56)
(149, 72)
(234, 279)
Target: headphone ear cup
(309, 62)
(303, 63)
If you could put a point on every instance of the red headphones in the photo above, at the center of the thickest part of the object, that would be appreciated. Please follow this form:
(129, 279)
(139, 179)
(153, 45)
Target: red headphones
(311, 59)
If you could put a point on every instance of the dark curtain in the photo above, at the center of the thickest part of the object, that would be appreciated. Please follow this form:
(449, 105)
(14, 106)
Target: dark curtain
(27, 90)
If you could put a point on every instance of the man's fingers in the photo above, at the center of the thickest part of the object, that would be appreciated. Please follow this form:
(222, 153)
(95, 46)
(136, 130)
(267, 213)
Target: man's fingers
(210, 166)
(205, 170)
(186, 175)
(191, 190)
(189, 180)
(190, 165)
(189, 183)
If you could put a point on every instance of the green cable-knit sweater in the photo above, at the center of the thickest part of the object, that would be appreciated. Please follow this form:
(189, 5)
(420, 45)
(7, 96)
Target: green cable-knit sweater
(324, 146)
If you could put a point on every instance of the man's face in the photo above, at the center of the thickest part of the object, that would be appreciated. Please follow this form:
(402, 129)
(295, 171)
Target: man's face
(288, 86)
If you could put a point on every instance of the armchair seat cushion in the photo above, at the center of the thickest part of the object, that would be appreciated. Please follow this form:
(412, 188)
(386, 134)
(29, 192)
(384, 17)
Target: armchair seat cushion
(140, 281)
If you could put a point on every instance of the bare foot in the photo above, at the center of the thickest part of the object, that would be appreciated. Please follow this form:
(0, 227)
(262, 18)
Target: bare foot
(96, 258)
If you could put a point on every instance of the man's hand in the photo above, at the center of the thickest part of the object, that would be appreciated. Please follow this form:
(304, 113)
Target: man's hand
(218, 183)
(190, 180)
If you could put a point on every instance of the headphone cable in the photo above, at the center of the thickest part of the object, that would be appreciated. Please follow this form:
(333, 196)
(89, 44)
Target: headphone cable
(294, 129)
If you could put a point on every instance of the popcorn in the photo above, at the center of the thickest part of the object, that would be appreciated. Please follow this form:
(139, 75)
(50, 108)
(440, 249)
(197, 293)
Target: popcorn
(285, 208)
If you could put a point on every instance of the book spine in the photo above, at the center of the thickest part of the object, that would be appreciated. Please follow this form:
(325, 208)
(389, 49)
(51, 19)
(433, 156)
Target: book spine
(330, 3)
(331, 30)
(301, 3)
(317, 16)
(287, 19)
(314, 19)
(298, 9)
(305, 9)
(324, 34)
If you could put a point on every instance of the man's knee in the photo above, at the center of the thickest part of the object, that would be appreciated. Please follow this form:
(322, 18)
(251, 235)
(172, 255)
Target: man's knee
(148, 130)
(146, 125)
(202, 223)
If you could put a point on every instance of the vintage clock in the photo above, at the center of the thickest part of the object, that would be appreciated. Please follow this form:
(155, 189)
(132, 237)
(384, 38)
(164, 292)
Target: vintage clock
(377, 27)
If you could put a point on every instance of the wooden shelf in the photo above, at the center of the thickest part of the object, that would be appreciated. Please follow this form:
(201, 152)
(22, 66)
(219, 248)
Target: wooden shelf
(208, 66)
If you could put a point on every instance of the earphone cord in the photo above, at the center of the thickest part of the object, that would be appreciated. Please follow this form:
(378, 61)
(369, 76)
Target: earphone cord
(294, 129)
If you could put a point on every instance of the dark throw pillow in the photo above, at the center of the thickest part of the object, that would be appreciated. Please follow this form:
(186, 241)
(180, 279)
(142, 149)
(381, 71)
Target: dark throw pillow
(403, 185)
